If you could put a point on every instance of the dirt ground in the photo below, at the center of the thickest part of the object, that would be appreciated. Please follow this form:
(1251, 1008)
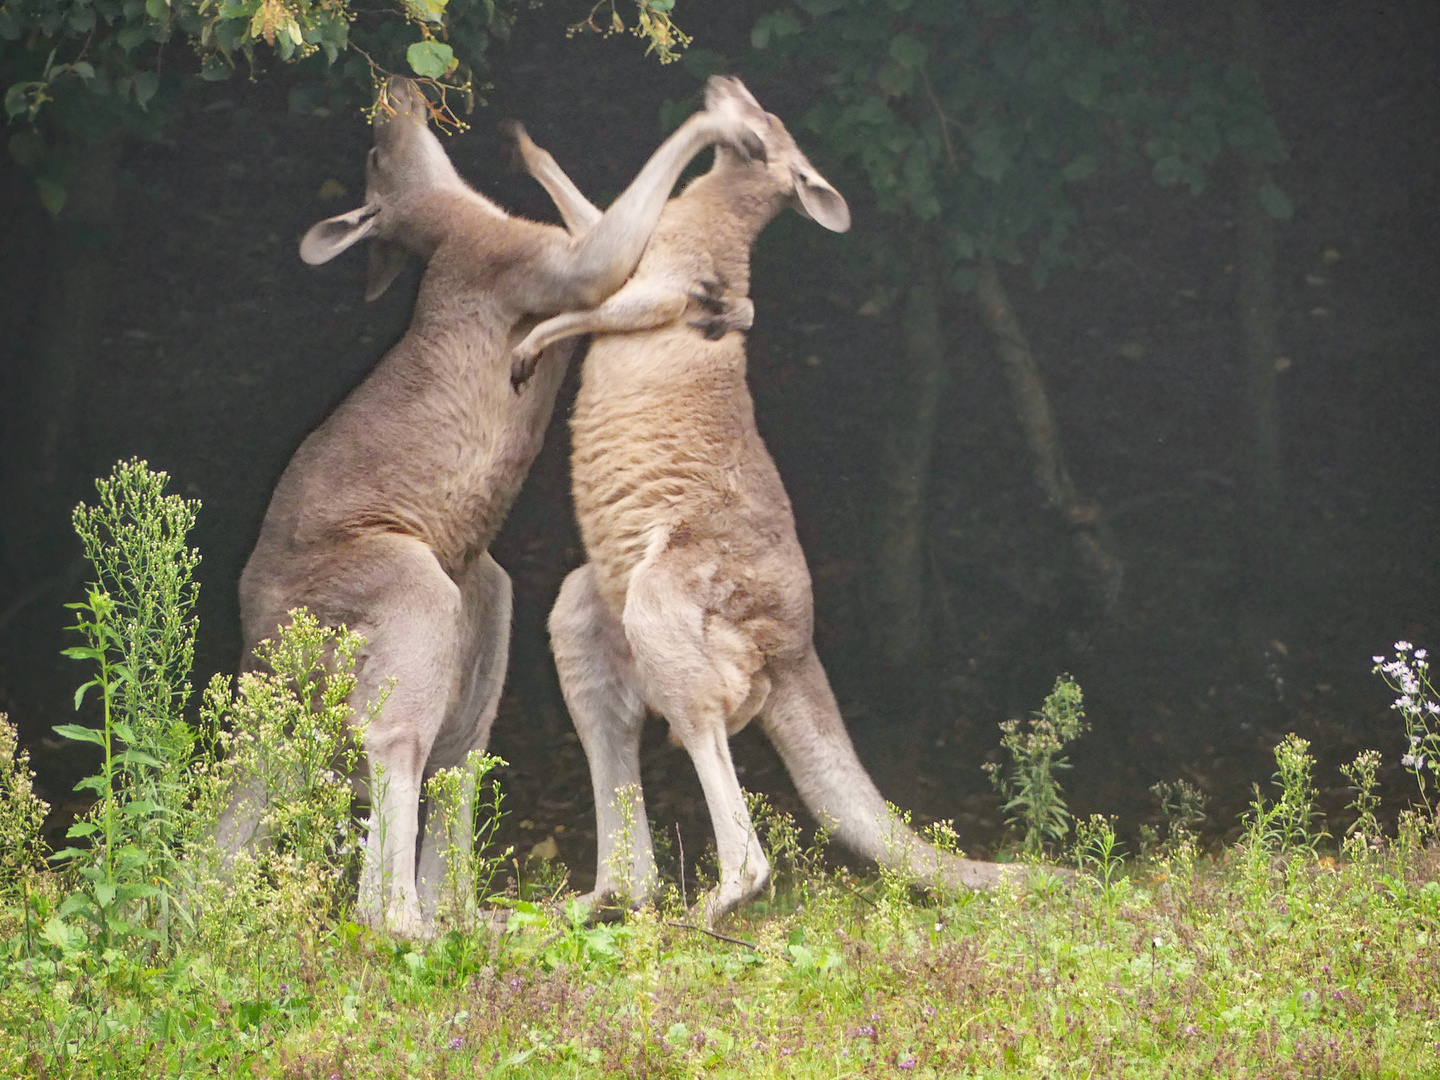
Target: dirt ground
(223, 350)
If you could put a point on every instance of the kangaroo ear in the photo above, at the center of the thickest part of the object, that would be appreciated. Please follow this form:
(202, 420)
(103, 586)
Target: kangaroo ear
(386, 262)
(330, 237)
(820, 202)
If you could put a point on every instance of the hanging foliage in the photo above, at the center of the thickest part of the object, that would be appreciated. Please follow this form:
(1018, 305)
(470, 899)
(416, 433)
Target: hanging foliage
(982, 116)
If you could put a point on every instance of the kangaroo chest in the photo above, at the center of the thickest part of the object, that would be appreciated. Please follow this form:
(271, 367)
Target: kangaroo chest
(649, 455)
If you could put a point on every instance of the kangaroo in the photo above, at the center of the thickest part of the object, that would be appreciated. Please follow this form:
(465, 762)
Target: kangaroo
(383, 518)
(696, 602)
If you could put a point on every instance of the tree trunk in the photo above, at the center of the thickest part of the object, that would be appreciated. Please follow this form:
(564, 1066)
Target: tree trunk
(1261, 477)
(47, 462)
(1101, 570)
(899, 617)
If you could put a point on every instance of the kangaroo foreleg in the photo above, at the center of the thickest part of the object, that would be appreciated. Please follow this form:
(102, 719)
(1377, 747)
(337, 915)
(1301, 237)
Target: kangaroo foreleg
(596, 264)
(640, 305)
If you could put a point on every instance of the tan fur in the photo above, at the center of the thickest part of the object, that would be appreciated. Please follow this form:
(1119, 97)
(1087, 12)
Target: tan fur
(384, 516)
(696, 599)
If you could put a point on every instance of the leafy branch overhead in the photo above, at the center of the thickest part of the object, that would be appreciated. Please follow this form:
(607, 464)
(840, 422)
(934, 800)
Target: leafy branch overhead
(982, 115)
(87, 69)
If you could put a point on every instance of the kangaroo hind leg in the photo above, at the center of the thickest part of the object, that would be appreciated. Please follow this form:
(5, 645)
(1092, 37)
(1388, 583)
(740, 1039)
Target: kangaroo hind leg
(601, 689)
(486, 603)
(410, 617)
(703, 674)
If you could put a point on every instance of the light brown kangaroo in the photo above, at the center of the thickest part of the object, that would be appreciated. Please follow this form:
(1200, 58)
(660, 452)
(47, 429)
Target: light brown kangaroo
(695, 601)
(383, 518)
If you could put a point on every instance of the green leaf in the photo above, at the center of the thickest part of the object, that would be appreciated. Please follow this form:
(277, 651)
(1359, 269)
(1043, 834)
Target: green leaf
(776, 25)
(52, 195)
(908, 51)
(1170, 170)
(214, 68)
(146, 83)
(82, 828)
(895, 79)
(1276, 203)
(157, 9)
(240, 11)
(80, 692)
(430, 59)
(991, 160)
(127, 37)
(139, 757)
(17, 100)
(702, 63)
(1081, 168)
(104, 893)
(67, 938)
(79, 733)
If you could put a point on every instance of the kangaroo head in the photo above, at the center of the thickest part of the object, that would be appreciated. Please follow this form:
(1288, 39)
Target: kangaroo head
(785, 167)
(406, 162)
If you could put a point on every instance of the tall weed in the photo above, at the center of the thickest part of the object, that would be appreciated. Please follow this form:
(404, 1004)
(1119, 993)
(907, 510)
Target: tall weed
(1030, 787)
(22, 812)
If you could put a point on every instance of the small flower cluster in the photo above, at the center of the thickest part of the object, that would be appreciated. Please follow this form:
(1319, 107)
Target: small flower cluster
(21, 812)
(1419, 703)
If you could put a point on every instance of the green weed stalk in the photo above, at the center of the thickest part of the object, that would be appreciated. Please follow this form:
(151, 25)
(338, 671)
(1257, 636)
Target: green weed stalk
(1031, 790)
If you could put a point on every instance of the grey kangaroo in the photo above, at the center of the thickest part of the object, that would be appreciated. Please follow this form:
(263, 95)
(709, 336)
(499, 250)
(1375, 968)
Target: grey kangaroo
(383, 518)
(695, 602)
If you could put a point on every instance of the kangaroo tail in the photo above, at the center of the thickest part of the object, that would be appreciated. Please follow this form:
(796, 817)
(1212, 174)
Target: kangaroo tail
(803, 721)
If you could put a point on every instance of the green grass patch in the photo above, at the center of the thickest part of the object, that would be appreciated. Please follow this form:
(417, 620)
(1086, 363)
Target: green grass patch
(1289, 954)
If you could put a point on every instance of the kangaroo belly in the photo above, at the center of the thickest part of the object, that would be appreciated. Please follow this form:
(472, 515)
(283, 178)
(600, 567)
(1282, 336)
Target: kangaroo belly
(667, 463)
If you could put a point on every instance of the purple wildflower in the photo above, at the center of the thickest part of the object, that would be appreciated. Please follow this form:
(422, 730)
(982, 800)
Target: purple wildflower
(907, 1062)
(456, 1043)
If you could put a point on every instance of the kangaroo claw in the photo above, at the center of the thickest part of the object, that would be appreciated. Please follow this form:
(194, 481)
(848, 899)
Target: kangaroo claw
(521, 368)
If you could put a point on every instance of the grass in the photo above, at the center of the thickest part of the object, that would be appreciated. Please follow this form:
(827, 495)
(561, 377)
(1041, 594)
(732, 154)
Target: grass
(1186, 967)
(1288, 954)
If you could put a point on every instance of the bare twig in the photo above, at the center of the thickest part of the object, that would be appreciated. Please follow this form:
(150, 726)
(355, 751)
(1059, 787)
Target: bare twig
(945, 121)
(857, 893)
(715, 934)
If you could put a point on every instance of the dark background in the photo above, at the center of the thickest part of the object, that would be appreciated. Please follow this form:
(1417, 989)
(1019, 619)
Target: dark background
(217, 350)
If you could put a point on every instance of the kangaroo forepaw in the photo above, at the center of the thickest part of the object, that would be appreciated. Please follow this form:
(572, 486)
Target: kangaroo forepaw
(522, 366)
(722, 316)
